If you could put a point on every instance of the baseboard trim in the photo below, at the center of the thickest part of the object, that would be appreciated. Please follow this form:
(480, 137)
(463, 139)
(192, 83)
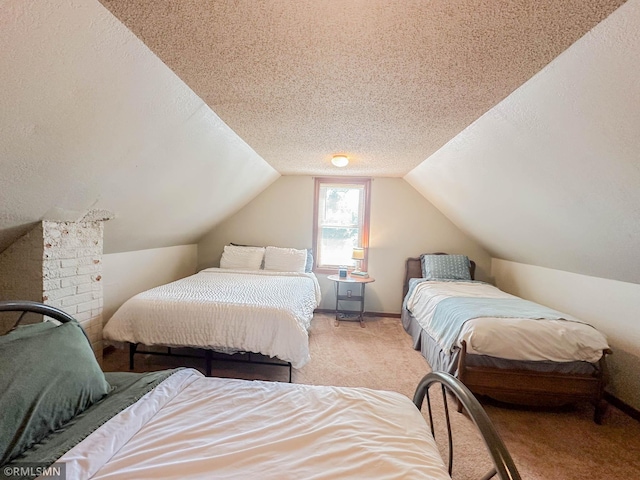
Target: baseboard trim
(366, 314)
(622, 406)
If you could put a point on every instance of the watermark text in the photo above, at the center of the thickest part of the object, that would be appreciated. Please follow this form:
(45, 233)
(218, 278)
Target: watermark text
(55, 471)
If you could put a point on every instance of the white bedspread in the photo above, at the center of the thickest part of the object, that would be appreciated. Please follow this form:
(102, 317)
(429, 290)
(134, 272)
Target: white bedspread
(192, 427)
(227, 310)
(510, 338)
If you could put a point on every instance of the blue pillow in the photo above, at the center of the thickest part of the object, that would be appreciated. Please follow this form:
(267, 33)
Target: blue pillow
(445, 267)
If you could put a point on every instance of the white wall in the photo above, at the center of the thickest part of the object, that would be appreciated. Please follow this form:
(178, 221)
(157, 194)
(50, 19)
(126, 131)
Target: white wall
(282, 215)
(610, 306)
(127, 274)
(403, 224)
(551, 175)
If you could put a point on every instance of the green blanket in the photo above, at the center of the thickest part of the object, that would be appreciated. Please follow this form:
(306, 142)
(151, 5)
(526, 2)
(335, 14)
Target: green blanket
(127, 389)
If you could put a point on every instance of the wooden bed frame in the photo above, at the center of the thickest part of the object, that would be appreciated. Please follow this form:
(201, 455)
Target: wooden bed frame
(526, 387)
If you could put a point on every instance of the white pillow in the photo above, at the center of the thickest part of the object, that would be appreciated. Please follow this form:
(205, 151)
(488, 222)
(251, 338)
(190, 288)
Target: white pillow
(242, 258)
(285, 259)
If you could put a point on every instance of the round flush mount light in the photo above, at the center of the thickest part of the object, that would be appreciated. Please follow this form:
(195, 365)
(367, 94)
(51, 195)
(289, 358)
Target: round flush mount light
(340, 160)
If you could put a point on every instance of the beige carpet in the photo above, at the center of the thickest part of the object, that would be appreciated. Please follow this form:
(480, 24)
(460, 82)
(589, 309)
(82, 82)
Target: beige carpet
(563, 444)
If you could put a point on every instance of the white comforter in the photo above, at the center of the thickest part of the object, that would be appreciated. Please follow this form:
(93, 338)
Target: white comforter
(191, 427)
(509, 338)
(227, 310)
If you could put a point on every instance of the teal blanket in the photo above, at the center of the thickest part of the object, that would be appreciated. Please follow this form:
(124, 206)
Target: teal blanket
(414, 282)
(452, 313)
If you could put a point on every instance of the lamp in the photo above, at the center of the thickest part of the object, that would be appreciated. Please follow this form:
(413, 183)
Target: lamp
(340, 160)
(358, 256)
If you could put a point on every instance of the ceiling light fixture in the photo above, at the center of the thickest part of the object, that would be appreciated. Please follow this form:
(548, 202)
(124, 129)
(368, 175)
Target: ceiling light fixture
(340, 160)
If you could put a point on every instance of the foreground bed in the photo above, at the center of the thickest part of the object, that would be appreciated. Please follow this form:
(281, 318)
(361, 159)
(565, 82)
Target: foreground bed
(223, 310)
(520, 353)
(179, 424)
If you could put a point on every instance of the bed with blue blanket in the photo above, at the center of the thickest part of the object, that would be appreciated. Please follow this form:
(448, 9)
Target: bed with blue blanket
(500, 345)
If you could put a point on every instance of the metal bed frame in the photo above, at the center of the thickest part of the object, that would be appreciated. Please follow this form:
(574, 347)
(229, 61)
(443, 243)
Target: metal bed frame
(503, 465)
(208, 357)
(26, 306)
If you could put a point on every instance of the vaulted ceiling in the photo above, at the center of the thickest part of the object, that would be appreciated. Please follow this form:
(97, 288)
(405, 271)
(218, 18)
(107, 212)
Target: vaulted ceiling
(386, 82)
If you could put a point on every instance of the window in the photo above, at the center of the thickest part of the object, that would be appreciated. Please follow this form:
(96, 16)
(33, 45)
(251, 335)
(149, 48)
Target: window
(341, 221)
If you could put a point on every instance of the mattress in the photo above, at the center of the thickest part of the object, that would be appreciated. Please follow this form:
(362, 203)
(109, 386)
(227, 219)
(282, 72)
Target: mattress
(224, 310)
(259, 430)
(525, 339)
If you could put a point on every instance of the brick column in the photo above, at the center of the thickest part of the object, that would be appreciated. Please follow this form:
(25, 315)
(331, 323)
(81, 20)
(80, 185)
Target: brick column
(72, 273)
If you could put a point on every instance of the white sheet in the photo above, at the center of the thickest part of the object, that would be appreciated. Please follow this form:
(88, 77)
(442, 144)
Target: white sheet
(227, 310)
(510, 338)
(191, 427)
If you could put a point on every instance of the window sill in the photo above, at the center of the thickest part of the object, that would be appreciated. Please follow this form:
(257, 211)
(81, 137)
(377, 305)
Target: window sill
(331, 270)
(326, 270)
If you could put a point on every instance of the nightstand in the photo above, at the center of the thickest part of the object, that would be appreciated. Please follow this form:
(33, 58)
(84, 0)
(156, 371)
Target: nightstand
(348, 295)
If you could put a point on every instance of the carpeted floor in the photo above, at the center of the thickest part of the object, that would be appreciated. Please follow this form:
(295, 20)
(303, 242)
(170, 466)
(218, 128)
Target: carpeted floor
(562, 444)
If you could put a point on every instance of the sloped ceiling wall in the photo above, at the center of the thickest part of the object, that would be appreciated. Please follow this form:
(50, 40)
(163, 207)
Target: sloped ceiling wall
(91, 119)
(551, 175)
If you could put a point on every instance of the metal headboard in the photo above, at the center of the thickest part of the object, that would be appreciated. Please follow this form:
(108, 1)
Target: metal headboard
(26, 306)
(503, 465)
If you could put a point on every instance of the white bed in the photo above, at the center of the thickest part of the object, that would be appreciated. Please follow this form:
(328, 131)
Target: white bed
(497, 344)
(224, 310)
(259, 430)
(512, 338)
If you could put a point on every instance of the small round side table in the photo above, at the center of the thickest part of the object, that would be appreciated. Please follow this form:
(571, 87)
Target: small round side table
(349, 296)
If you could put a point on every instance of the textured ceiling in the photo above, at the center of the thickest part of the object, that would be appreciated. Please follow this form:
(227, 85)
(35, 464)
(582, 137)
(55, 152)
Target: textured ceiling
(386, 82)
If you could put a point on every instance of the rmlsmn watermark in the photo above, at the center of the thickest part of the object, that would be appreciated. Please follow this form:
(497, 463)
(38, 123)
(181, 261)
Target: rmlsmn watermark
(55, 471)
